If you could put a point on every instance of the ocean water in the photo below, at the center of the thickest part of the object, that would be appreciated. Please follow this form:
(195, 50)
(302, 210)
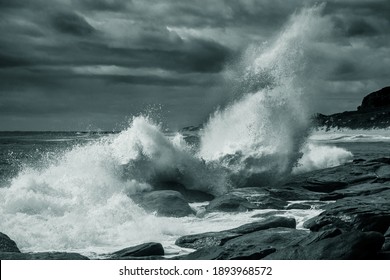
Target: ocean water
(69, 191)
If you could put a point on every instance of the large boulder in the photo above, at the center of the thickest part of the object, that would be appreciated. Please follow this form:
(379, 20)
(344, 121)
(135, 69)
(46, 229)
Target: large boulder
(346, 246)
(7, 244)
(165, 203)
(230, 203)
(210, 239)
(143, 250)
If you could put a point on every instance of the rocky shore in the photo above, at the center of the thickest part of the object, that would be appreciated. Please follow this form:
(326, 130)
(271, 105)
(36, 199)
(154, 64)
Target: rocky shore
(354, 223)
(374, 112)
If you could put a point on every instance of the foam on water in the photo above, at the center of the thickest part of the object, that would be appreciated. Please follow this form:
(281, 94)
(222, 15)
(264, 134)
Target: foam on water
(321, 156)
(79, 202)
(345, 135)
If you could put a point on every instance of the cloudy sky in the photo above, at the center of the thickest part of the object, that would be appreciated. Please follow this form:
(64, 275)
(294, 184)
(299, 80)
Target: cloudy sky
(92, 64)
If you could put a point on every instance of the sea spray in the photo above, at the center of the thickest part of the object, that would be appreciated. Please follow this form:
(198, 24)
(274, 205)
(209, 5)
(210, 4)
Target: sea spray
(259, 137)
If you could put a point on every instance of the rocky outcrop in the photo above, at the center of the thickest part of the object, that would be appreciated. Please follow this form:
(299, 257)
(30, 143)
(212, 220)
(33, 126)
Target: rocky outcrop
(165, 203)
(354, 245)
(376, 100)
(7, 244)
(365, 213)
(374, 112)
(209, 239)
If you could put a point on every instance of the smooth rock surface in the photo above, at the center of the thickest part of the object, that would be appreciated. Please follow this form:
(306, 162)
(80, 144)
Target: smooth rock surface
(165, 203)
(209, 239)
(142, 250)
(347, 246)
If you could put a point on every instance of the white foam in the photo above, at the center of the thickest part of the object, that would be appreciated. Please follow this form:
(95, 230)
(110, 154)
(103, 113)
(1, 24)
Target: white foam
(321, 156)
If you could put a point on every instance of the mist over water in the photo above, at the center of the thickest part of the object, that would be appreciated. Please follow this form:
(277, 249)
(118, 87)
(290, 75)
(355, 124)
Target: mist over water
(80, 201)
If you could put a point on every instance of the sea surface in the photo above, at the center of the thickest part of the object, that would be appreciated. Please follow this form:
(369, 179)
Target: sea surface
(60, 193)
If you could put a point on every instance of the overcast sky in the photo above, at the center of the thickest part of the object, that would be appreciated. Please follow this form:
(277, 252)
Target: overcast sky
(92, 64)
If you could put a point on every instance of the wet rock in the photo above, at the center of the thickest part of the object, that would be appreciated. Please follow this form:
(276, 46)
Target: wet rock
(189, 195)
(385, 160)
(365, 213)
(346, 246)
(336, 178)
(7, 244)
(386, 245)
(324, 185)
(293, 191)
(166, 203)
(42, 256)
(143, 250)
(357, 190)
(230, 203)
(252, 246)
(387, 233)
(210, 239)
(302, 206)
(272, 203)
(279, 237)
(383, 173)
(221, 253)
(314, 237)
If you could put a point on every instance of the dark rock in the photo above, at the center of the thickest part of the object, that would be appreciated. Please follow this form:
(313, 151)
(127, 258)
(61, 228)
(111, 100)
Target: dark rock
(207, 253)
(298, 206)
(387, 233)
(269, 238)
(324, 185)
(385, 160)
(374, 112)
(166, 203)
(210, 239)
(386, 245)
(7, 244)
(357, 190)
(375, 100)
(383, 173)
(346, 246)
(230, 203)
(189, 195)
(143, 250)
(384, 255)
(293, 191)
(221, 253)
(365, 213)
(314, 237)
(269, 214)
(57, 256)
(252, 246)
(272, 203)
(42, 256)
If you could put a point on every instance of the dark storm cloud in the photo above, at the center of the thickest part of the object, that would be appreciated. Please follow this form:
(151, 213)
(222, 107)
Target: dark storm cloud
(71, 23)
(59, 57)
(103, 5)
(7, 61)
